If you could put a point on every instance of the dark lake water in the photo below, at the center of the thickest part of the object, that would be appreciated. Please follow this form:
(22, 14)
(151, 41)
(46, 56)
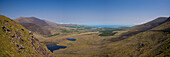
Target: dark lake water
(71, 39)
(53, 47)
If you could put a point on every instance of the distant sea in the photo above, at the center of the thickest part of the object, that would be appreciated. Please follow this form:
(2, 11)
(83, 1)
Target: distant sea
(110, 26)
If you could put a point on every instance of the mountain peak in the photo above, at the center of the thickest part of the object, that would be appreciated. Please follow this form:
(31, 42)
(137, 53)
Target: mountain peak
(31, 20)
(27, 18)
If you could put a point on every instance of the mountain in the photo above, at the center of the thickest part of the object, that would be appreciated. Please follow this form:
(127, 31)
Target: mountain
(141, 28)
(36, 28)
(151, 39)
(46, 28)
(149, 25)
(52, 24)
(17, 41)
(34, 24)
(31, 20)
(46, 23)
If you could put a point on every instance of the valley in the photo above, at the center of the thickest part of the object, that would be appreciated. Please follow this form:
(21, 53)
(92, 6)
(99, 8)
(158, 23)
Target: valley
(107, 41)
(84, 28)
(84, 41)
(88, 40)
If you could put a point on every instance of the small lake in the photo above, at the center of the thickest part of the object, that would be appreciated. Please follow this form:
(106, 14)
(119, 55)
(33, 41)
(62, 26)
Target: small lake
(53, 47)
(71, 39)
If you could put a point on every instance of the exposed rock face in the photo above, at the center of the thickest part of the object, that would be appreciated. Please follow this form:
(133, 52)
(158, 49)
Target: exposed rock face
(17, 41)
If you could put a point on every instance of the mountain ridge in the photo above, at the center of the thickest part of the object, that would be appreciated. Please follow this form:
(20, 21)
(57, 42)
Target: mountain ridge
(31, 20)
(39, 26)
(141, 28)
(150, 42)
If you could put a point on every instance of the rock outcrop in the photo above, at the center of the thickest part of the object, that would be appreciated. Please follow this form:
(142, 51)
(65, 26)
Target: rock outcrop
(17, 41)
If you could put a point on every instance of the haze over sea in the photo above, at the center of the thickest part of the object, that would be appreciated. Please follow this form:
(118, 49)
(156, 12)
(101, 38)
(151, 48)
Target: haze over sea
(109, 26)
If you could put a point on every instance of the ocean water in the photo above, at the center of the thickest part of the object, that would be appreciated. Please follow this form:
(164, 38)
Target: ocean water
(110, 26)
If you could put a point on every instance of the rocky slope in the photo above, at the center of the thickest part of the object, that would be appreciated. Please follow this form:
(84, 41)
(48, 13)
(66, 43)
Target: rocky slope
(17, 41)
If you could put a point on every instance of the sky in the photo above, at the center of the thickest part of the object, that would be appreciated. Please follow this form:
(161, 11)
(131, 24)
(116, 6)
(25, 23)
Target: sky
(88, 12)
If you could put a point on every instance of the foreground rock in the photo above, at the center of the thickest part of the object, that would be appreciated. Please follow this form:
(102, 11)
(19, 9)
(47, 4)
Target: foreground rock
(17, 41)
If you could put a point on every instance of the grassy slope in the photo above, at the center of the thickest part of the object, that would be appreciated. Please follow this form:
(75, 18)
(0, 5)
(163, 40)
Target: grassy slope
(35, 25)
(153, 42)
(11, 42)
(31, 20)
(149, 43)
(42, 28)
(85, 46)
(136, 45)
(36, 28)
(143, 27)
(162, 49)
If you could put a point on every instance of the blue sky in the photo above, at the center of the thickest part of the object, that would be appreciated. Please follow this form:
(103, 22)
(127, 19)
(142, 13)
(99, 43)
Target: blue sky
(91, 12)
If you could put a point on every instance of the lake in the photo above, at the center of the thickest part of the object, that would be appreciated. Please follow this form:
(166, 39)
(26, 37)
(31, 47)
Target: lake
(53, 47)
(71, 39)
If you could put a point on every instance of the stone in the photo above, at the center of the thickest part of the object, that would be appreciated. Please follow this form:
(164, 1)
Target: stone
(33, 48)
(8, 30)
(6, 20)
(13, 41)
(30, 33)
(22, 29)
(21, 47)
(3, 28)
(13, 35)
(17, 45)
(27, 55)
(20, 39)
(6, 23)
(31, 55)
(18, 50)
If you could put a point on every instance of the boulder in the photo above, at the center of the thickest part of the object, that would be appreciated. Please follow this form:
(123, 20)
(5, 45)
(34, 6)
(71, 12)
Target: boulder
(22, 29)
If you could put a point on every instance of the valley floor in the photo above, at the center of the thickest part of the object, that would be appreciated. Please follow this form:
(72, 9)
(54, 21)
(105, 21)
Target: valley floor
(86, 44)
(89, 44)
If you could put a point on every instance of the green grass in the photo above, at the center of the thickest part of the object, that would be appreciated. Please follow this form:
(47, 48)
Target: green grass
(10, 49)
(107, 33)
(69, 30)
(54, 35)
(145, 43)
